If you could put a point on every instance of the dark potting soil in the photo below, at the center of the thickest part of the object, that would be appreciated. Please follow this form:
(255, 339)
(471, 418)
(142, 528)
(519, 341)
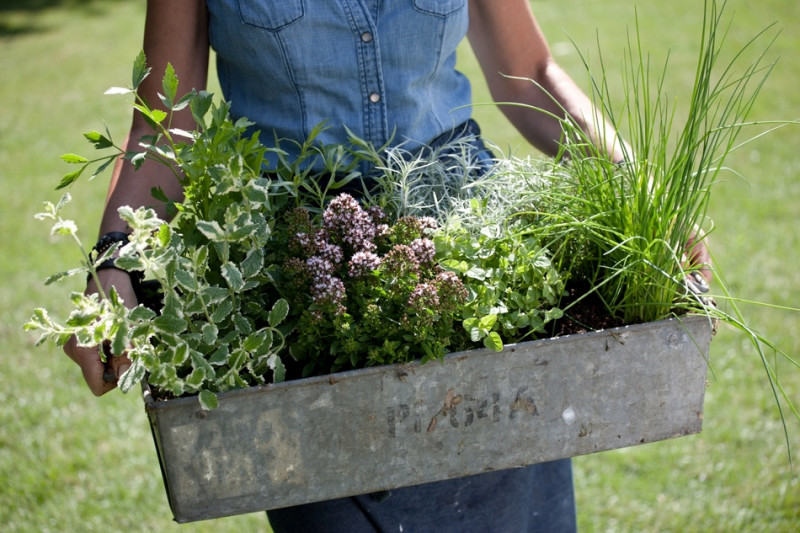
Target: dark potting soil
(583, 313)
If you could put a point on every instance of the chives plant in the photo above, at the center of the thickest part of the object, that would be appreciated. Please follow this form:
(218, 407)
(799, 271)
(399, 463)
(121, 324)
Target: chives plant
(637, 219)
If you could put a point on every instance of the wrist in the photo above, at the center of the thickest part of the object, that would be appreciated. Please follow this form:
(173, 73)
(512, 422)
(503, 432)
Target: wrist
(105, 278)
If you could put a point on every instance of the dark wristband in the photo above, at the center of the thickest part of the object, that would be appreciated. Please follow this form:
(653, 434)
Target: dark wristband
(107, 241)
(104, 243)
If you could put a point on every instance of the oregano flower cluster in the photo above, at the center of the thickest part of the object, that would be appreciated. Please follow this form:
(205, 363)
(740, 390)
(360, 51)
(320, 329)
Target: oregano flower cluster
(363, 292)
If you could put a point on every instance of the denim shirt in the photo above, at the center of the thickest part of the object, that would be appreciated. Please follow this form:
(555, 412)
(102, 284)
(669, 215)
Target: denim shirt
(384, 69)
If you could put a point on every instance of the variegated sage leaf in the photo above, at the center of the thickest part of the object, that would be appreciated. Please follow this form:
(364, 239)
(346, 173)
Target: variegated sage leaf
(233, 276)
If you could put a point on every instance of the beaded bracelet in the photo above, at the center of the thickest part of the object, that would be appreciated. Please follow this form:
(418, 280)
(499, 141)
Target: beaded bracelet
(108, 240)
(104, 243)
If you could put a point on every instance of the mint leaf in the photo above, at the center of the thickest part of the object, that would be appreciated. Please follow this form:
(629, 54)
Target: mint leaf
(208, 400)
(278, 312)
(222, 311)
(180, 354)
(133, 376)
(233, 276)
(211, 230)
(493, 342)
(253, 262)
(61, 275)
(210, 333)
(186, 280)
(170, 324)
(278, 370)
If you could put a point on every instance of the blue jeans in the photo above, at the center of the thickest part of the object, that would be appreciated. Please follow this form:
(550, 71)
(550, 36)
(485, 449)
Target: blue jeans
(538, 498)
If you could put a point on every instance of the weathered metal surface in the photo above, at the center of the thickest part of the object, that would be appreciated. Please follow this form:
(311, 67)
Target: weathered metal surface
(387, 427)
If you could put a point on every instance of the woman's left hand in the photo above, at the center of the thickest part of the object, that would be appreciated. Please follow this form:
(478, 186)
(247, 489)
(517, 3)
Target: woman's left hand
(698, 257)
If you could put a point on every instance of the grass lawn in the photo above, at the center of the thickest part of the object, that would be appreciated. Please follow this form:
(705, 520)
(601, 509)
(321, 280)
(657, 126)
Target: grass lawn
(71, 462)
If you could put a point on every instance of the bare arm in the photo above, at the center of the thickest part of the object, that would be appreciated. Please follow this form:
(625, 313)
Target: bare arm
(176, 32)
(509, 44)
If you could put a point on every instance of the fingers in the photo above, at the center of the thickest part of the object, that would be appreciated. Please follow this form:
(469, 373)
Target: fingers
(92, 366)
(102, 376)
(698, 256)
(118, 365)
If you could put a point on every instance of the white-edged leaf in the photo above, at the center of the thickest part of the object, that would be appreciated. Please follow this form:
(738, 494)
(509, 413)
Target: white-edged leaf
(210, 333)
(170, 324)
(133, 376)
(278, 312)
(186, 280)
(181, 133)
(211, 230)
(195, 379)
(253, 263)
(278, 369)
(213, 295)
(180, 354)
(61, 275)
(222, 311)
(233, 276)
(208, 400)
(118, 90)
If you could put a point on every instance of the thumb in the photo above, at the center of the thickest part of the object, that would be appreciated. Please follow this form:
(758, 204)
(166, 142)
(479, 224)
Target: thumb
(122, 368)
(120, 365)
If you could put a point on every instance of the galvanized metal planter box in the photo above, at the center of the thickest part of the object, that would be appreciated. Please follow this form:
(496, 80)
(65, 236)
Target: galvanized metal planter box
(387, 427)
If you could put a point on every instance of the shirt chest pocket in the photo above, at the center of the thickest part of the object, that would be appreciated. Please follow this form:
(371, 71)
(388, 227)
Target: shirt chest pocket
(269, 14)
(440, 8)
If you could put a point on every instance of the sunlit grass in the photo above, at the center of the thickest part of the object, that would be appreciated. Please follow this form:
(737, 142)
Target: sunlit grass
(71, 462)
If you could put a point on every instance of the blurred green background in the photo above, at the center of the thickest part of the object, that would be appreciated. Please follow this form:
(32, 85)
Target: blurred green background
(71, 462)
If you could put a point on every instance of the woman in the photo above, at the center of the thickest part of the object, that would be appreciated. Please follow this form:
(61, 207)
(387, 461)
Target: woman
(384, 69)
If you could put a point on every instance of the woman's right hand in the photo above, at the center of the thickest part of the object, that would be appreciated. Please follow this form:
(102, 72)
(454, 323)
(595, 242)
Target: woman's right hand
(88, 358)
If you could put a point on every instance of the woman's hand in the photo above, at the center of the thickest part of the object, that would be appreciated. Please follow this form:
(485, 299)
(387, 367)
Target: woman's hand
(699, 259)
(100, 376)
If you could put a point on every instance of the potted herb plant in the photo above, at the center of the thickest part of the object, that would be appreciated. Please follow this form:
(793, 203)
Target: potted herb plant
(261, 278)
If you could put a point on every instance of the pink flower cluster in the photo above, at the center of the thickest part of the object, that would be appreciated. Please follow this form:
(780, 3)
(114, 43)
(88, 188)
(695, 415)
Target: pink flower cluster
(348, 223)
(424, 250)
(401, 261)
(450, 289)
(367, 291)
(320, 260)
(362, 263)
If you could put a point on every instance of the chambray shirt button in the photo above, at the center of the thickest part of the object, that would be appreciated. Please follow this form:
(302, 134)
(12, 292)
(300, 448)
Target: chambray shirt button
(366, 37)
(374, 98)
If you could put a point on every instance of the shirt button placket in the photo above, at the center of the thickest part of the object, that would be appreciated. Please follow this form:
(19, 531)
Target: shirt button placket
(363, 15)
(366, 38)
